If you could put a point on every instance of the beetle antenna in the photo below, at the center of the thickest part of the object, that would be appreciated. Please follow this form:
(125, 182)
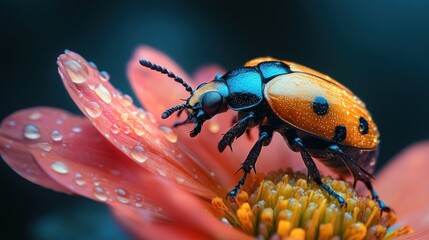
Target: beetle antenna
(171, 110)
(163, 70)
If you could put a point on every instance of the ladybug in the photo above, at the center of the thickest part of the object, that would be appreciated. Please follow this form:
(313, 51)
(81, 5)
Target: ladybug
(316, 115)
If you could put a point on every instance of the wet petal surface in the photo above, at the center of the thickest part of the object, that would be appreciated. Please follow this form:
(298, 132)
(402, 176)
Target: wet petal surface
(133, 131)
(81, 161)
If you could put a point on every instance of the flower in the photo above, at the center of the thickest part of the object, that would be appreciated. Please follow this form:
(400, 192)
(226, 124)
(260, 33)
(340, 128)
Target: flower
(158, 181)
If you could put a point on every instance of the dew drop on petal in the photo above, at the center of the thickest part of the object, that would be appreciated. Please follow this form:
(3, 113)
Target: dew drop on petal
(31, 132)
(77, 72)
(125, 149)
(104, 76)
(92, 64)
(99, 193)
(169, 134)
(93, 109)
(138, 129)
(138, 203)
(60, 167)
(139, 154)
(122, 195)
(127, 129)
(78, 179)
(114, 128)
(56, 136)
(11, 123)
(128, 100)
(103, 93)
(44, 146)
(162, 172)
(35, 116)
(76, 129)
(180, 179)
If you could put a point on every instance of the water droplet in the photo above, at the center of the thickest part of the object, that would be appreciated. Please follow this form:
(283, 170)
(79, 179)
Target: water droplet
(169, 134)
(139, 154)
(138, 129)
(180, 179)
(104, 76)
(162, 172)
(122, 195)
(103, 93)
(151, 118)
(125, 149)
(60, 167)
(78, 179)
(138, 204)
(35, 116)
(99, 193)
(127, 129)
(106, 135)
(128, 100)
(93, 109)
(77, 72)
(114, 128)
(124, 117)
(214, 127)
(11, 123)
(76, 129)
(44, 146)
(212, 174)
(59, 121)
(92, 64)
(56, 136)
(31, 132)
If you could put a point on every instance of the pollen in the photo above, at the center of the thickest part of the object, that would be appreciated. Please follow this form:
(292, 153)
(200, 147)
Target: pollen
(288, 206)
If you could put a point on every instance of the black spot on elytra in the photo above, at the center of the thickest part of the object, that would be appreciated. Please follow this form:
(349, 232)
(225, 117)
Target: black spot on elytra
(340, 133)
(363, 125)
(320, 105)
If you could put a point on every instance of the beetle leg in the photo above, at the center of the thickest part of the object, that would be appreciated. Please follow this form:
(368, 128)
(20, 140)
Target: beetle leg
(250, 161)
(358, 173)
(313, 172)
(236, 131)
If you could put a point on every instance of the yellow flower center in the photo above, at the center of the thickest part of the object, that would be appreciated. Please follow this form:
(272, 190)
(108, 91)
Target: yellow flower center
(289, 206)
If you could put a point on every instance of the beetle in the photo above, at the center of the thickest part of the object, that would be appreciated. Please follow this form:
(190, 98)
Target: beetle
(316, 115)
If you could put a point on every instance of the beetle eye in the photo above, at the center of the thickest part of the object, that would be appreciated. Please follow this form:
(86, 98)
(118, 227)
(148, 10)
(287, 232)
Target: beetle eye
(211, 102)
(201, 85)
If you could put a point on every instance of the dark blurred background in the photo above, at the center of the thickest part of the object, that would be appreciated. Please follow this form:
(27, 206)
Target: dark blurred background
(379, 49)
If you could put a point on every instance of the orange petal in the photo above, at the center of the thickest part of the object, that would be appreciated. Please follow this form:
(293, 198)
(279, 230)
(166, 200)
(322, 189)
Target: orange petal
(131, 130)
(404, 185)
(186, 216)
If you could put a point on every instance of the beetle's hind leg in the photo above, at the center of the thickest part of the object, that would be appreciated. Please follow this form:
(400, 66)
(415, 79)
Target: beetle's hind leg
(297, 145)
(249, 163)
(359, 174)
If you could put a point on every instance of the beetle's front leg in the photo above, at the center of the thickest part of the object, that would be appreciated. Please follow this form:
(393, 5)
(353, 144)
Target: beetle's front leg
(249, 163)
(236, 131)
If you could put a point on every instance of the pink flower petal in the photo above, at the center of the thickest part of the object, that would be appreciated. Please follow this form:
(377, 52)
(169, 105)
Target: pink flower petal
(404, 185)
(153, 96)
(131, 130)
(68, 154)
(16, 143)
(187, 217)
